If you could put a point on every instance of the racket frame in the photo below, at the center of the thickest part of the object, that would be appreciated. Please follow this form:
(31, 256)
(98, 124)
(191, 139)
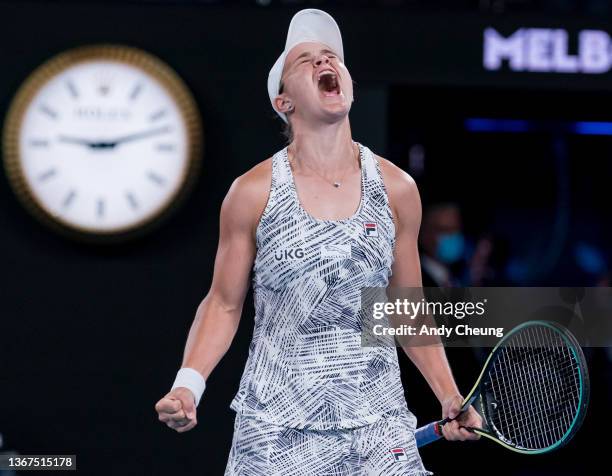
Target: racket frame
(476, 392)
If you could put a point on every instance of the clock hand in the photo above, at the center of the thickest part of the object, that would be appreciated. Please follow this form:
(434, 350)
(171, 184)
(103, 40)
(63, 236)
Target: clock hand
(141, 135)
(110, 144)
(75, 140)
(85, 142)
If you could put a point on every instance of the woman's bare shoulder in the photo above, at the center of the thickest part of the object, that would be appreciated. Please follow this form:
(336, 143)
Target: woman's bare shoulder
(403, 194)
(397, 180)
(248, 194)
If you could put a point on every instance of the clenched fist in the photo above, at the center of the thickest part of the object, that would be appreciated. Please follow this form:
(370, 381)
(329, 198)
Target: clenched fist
(177, 409)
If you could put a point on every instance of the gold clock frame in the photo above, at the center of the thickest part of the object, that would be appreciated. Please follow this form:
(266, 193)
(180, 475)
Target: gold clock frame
(131, 56)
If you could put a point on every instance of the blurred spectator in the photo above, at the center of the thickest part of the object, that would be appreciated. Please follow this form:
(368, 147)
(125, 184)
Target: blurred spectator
(442, 245)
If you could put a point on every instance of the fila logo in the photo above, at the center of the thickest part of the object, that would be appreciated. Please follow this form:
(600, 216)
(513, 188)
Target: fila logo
(371, 228)
(286, 254)
(335, 251)
(399, 454)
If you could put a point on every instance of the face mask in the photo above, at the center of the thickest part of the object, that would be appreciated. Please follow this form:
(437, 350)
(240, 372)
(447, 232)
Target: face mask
(450, 247)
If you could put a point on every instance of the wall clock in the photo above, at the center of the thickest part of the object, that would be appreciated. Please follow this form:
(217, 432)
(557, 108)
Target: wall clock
(102, 142)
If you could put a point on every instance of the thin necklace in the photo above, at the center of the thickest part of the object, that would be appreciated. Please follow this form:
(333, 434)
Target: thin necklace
(336, 183)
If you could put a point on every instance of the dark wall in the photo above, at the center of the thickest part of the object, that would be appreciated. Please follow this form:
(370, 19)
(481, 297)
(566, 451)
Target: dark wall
(92, 336)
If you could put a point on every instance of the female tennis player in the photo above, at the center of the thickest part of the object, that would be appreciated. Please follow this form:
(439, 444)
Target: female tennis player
(318, 221)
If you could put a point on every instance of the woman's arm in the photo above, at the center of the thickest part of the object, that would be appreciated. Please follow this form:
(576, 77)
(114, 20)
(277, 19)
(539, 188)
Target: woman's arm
(218, 315)
(429, 357)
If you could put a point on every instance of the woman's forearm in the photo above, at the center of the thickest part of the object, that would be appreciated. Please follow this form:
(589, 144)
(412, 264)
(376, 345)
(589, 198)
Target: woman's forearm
(432, 363)
(211, 334)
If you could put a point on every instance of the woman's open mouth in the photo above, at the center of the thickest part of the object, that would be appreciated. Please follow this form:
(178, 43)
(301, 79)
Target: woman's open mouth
(328, 84)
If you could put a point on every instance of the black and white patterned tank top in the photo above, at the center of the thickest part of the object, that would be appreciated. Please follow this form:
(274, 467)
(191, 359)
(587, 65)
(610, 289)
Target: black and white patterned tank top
(306, 366)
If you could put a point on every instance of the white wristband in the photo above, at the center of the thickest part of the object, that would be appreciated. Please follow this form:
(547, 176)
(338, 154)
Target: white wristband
(191, 379)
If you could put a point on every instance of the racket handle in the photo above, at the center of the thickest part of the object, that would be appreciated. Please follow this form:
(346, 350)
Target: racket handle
(428, 434)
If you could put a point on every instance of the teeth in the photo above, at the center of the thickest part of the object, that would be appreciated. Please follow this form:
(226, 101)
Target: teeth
(334, 81)
(326, 72)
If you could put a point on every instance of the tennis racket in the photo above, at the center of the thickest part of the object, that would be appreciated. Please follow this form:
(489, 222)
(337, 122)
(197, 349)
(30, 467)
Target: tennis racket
(532, 393)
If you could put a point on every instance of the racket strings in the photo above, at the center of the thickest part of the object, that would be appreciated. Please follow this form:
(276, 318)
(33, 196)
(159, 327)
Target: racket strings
(541, 408)
(535, 383)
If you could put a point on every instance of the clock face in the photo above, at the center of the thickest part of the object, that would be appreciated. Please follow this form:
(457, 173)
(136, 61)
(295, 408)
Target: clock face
(104, 144)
